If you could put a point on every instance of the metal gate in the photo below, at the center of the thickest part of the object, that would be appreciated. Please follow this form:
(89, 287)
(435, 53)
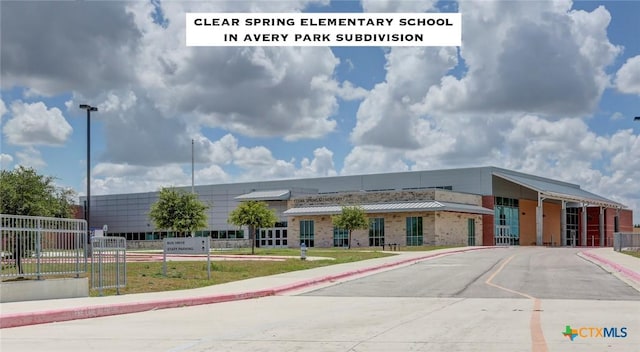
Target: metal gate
(572, 238)
(108, 263)
(502, 237)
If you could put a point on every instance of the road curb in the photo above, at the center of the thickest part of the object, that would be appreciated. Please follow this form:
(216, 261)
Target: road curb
(59, 315)
(631, 274)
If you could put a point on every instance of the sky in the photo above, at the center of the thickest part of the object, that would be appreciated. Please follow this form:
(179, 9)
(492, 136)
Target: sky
(549, 88)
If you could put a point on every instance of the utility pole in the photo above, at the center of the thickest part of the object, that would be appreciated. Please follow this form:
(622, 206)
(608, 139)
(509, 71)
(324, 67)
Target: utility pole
(192, 169)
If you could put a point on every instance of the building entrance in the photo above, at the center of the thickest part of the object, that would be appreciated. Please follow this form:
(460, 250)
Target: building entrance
(571, 238)
(275, 237)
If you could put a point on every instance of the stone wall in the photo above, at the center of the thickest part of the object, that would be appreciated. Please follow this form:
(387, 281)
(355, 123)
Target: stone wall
(439, 228)
(452, 229)
(455, 197)
(359, 198)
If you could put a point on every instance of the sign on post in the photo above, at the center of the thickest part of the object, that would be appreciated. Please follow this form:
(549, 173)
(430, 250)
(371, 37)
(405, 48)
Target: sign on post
(187, 245)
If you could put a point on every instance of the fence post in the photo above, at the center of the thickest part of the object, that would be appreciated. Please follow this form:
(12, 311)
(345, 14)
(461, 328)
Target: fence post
(117, 272)
(38, 245)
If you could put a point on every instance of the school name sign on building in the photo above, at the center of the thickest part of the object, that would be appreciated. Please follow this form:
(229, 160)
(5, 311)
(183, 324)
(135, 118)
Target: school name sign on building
(324, 29)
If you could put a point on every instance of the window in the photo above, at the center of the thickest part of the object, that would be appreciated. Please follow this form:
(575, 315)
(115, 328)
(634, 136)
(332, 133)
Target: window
(572, 227)
(307, 232)
(507, 219)
(471, 235)
(414, 231)
(340, 237)
(376, 232)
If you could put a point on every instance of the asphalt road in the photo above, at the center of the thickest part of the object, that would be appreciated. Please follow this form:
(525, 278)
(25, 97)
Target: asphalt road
(518, 299)
(554, 273)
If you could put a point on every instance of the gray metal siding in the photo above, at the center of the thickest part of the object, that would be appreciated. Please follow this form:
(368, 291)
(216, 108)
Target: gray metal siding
(129, 212)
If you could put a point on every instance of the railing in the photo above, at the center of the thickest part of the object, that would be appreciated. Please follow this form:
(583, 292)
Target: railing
(33, 246)
(626, 241)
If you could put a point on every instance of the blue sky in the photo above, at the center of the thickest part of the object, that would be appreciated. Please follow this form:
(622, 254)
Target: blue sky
(544, 87)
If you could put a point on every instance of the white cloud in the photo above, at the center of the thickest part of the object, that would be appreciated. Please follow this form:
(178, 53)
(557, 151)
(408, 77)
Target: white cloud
(3, 109)
(397, 6)
(255, 163)
(113, 178)
(251, 91)
(373, 159)
(115, 102)
(320, 166)
(93, 47)
(161, 90)
(616, 116)
(213, 174)
(387, 116)
(5, 161)
(35, 124)
(628, 76)
(30, 157)
(542, 58)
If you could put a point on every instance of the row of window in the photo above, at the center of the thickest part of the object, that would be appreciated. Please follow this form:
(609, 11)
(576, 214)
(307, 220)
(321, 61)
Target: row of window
(148, 236)
(376, 233)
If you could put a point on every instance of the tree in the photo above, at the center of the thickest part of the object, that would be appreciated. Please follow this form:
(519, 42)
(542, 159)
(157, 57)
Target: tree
(178, 211)
(254, 214)
(351, 218)
(25, 192)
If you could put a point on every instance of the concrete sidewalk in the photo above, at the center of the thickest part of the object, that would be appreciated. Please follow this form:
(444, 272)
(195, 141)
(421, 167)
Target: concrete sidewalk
(624, 266)
(15, 314)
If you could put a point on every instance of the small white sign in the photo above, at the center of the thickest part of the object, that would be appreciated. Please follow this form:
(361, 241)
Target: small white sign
(186, 245)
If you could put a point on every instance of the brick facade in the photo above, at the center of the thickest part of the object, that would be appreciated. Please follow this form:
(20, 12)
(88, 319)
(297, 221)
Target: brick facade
(487, 222)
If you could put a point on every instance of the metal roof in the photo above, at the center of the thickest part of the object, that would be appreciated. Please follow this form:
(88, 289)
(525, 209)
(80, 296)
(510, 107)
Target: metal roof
(393, 208)
(558, 190)
(281, 194)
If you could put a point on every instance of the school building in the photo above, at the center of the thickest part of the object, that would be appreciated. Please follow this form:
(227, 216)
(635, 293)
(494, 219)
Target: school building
(465, 206)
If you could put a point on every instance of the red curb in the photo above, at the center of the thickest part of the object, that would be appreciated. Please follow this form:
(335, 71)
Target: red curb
(51, 316)
(634, 275)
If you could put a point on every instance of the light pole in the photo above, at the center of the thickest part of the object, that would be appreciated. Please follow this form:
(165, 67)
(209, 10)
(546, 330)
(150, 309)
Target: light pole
(89, 109)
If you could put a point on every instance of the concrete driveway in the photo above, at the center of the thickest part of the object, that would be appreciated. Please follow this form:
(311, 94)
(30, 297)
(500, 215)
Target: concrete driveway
(516, 299)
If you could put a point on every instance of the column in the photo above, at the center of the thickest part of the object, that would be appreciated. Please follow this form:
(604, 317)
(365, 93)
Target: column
(601, 227)
(539, 223)
(583, 239)
(563, 224)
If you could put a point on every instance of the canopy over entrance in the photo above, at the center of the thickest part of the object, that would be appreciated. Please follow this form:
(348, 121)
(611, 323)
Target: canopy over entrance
(565, 193)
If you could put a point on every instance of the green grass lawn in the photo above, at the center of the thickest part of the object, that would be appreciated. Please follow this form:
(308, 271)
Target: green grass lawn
(632, 253)
(148, 276)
